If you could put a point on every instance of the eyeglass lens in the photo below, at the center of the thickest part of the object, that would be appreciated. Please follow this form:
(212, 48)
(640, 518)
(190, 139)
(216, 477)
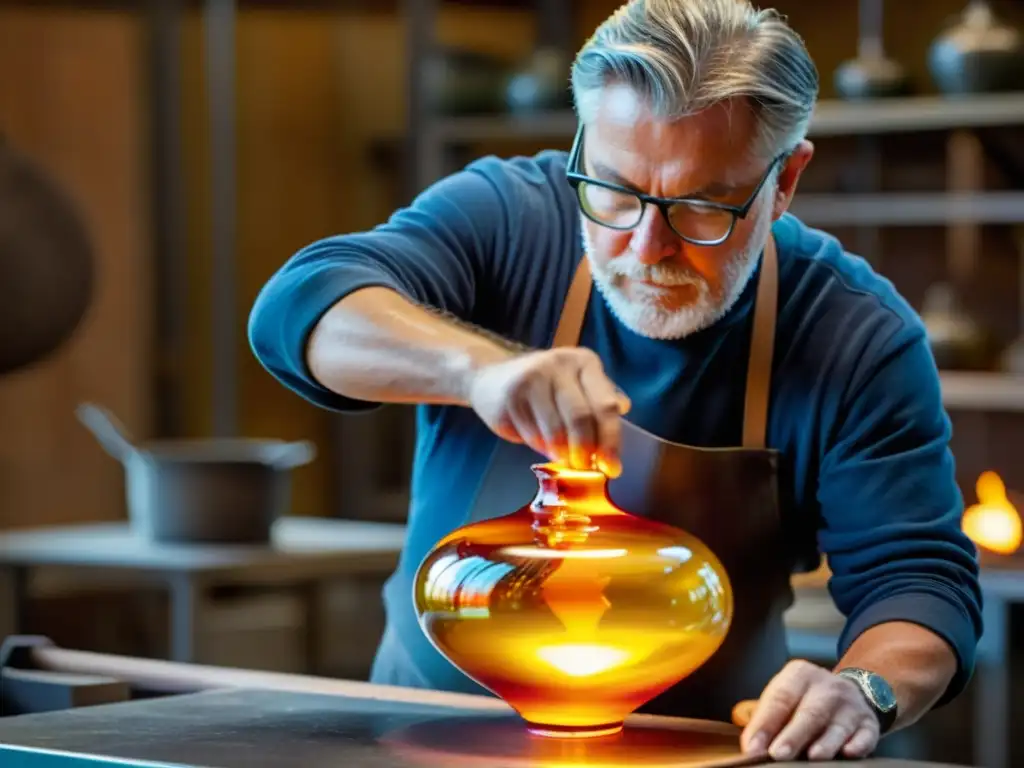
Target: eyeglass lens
(621, 210)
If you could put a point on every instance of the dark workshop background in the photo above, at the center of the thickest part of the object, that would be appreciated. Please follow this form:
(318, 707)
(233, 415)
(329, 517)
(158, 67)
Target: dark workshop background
(203, 150)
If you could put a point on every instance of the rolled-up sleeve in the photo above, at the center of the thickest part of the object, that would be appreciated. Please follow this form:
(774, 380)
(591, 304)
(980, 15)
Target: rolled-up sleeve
(891, 508)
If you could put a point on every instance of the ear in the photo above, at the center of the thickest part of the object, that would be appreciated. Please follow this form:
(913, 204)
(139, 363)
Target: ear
(789, 176)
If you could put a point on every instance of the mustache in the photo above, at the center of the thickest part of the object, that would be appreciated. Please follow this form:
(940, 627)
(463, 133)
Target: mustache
(662, 274)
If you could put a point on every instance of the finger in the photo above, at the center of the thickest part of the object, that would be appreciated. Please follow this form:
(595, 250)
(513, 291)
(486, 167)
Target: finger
(578, 418)
(821, 707)
(624, 402)
(547, 420)
(843, 726)
(605, 403)
(529, 435)
(527, 422)
(506, 429)
(863, 742)
(743, 711)
(609, 404)
(776, 705)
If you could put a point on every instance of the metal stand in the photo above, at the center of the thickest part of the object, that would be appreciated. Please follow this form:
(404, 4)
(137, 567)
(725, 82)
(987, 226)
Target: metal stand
(165, 19)
(220, 90)
(169, 218)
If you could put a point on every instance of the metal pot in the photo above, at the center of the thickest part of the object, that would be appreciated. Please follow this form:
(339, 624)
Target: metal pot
(873, 74)
(981, 54)
(465, 82)
(225, 491)
(543, 84)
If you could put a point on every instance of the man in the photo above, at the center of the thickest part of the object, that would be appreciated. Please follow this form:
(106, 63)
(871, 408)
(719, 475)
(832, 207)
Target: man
(719, 322)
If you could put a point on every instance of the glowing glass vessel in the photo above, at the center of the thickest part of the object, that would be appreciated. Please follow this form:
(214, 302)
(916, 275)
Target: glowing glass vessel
(572, 610)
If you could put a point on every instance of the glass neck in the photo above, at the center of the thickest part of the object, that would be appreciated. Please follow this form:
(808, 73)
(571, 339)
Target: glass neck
(569, 502)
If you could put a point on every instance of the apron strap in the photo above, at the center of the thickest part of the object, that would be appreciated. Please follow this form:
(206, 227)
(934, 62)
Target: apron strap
(570, 324)
(762, 344)
(762, 339)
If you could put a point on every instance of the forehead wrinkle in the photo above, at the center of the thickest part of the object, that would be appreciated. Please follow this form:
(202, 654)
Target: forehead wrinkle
(625, 124)
(735, 174)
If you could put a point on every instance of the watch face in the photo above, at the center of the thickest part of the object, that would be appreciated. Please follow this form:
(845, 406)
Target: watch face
(881, 692)
(878, 693)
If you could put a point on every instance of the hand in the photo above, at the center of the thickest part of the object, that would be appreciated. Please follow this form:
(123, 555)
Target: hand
(559, 402)
(808, 708)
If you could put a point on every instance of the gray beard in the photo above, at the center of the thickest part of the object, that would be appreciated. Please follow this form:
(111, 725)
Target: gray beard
(653, 321)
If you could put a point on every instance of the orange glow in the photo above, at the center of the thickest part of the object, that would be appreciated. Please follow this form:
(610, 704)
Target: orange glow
(993, 523)
(573, 611)
(487, 741)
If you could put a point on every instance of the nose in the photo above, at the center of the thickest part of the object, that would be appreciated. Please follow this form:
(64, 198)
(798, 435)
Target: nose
(653, 240)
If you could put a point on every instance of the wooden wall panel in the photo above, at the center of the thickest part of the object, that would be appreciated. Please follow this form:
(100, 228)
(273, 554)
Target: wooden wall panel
(70, 95)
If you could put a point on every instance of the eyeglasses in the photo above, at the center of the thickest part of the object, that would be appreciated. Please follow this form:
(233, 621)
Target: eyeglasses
(701, 222)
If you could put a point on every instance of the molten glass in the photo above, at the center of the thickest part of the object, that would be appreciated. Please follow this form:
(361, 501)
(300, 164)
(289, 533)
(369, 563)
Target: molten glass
(572, 610)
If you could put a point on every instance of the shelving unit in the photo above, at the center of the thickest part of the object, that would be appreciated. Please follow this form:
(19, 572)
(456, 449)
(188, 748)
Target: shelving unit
(988, 392)
(917, 209)
(441, 134)
(831, 118)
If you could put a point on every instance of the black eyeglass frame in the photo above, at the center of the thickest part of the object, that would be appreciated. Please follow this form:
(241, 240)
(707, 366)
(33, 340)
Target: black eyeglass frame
(663, 204)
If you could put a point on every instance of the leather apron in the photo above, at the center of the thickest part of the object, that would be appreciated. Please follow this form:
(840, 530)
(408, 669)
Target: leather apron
(729, 498)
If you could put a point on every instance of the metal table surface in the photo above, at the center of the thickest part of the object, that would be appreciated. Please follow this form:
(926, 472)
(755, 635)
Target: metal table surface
(271, 729)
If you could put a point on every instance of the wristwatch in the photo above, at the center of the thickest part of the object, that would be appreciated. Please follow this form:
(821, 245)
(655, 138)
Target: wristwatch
(877, 691)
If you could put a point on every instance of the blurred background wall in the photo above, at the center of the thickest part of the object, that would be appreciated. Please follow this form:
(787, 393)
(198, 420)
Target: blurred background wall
(321, 102)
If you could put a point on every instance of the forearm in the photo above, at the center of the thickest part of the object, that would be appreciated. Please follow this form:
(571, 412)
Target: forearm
(378, 346)
(916, 662)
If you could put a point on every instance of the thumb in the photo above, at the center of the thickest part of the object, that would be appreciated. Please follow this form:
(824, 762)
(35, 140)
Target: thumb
(743, 711)
(624, 402)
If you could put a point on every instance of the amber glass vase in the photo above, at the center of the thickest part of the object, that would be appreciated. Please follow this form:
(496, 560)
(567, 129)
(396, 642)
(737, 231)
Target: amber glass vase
(572, 610)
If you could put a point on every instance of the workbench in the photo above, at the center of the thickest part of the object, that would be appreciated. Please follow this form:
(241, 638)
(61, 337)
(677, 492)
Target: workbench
(270, 720)
(308, 551)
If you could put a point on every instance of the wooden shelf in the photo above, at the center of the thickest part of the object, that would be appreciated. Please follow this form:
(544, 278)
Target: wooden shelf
(832, 118)
(991, 392)
(919, 113)
(910, 209)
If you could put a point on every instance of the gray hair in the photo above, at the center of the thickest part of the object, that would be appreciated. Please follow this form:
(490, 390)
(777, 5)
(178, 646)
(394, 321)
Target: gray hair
(684, 56)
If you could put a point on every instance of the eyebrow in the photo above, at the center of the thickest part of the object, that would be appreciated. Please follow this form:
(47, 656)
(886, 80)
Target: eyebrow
(713, 189)
(606, 173)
